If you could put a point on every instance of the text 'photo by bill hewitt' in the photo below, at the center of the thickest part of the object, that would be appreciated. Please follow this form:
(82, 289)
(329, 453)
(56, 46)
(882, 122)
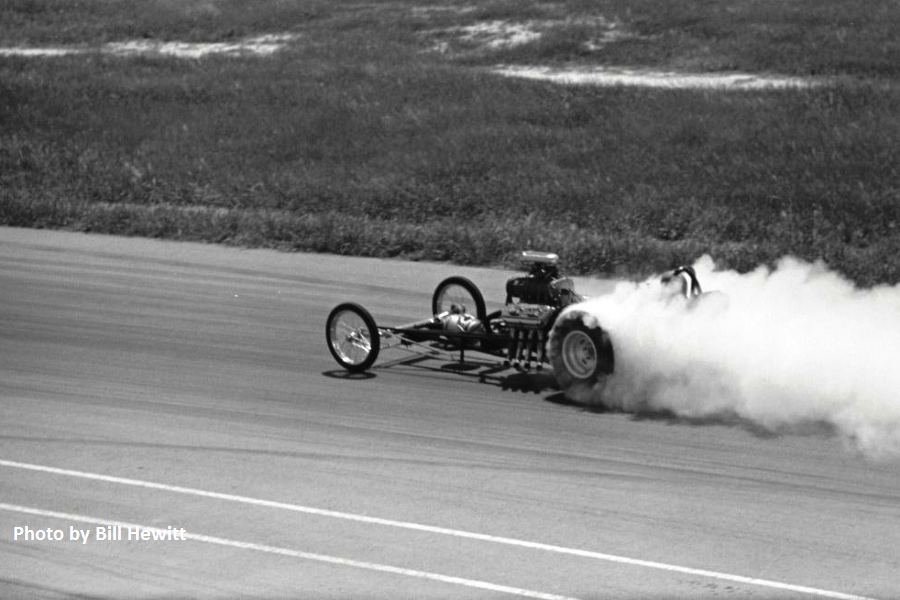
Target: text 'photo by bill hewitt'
(463, 300)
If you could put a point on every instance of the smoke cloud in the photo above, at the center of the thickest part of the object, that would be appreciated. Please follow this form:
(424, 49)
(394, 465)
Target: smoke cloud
(784, 349)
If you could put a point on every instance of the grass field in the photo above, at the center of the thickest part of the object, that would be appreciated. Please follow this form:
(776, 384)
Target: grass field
(382, 131)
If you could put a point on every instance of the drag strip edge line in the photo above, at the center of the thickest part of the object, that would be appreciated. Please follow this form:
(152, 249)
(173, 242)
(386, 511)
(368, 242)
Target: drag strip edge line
(335, 560)
(742, 579)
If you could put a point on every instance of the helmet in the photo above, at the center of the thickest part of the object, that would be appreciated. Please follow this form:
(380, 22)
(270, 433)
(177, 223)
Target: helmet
(462, 323)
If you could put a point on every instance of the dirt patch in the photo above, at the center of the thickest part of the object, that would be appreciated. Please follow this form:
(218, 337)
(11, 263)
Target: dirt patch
(500, 35)
(495, 35)
(262, 45)
(613, 76)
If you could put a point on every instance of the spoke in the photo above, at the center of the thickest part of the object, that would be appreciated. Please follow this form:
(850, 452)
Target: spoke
(456, 294)
(350, 337)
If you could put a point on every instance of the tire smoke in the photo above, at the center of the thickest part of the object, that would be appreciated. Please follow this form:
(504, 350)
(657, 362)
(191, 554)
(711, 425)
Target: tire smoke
(786, 349)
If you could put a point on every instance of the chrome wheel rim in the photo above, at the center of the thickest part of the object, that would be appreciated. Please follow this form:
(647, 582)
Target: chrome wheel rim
(350, 337)
(579, 354)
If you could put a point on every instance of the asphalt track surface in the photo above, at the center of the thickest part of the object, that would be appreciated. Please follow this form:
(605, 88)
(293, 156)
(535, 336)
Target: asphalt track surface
(157, 384)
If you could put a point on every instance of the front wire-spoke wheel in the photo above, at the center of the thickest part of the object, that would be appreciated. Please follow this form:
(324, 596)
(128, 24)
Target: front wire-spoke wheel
(460, 292)
(352, 337)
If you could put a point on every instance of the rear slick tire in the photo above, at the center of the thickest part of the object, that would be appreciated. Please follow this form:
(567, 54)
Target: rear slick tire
(582, 359)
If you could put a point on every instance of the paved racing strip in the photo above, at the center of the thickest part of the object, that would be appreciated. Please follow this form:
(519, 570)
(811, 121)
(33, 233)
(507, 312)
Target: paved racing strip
(753, 581)
(335, 560)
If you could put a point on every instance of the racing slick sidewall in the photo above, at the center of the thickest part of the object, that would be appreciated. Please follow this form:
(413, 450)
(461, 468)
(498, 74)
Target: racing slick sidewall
(581, 356)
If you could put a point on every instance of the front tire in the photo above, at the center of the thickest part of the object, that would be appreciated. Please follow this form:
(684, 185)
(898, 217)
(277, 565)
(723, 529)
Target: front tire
(582, 358)
(352, 337)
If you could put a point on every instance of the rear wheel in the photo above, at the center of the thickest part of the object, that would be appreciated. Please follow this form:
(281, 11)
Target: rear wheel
(352, 337)
(582, 358)
(461, 292)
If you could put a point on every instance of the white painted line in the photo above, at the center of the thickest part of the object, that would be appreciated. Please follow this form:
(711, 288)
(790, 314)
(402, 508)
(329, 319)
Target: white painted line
(335, 560)
(754, 581)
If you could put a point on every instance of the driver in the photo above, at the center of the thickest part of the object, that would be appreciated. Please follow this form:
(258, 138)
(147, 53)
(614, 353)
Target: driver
(456, 319)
